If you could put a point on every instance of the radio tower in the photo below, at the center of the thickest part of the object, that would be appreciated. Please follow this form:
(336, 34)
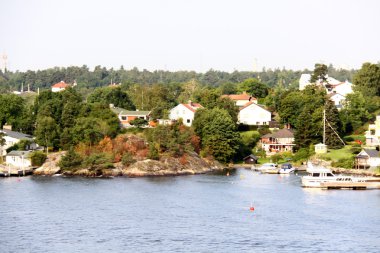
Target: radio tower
(4, 61)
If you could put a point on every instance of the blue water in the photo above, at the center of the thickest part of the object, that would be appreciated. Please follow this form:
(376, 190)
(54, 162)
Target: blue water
(202, 213)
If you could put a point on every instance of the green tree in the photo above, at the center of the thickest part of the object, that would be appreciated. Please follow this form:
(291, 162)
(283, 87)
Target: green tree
(138, 122)
(333, 127)
(254, 87)
(38, 158)
(46, 132)
(319, 73)
(218, 133)
(354, 113)
(367, 80)
(70, 160)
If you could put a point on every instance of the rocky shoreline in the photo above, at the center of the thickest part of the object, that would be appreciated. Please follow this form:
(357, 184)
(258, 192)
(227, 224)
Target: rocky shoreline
(166, 166)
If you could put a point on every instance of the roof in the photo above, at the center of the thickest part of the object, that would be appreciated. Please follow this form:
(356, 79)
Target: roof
(121, 111)
(283, 133)
(334, 94)
(193, 106)
(61, 84)
(24, 153)
(17, 135)
(251, 156)
(252, 103)
(243, 96)
(372, 152)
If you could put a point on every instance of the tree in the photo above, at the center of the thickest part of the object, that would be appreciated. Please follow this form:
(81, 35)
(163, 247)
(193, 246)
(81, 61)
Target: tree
(2, 143)
(333, 127)
(70, 160)
(319, 74)
(367, 80)
(218, 133)
(38, 158)
(46, 132)
(138, 122)
(354, 113)
(254, 87)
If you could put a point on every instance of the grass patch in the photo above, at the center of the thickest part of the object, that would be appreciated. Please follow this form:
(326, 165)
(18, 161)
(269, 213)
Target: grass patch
(337, 154)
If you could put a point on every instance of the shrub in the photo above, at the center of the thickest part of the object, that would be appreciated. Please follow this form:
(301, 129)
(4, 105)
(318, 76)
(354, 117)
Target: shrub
(276, 158)
(98, 161)
(301, 154)
(70, 161)
(38, 158)
(347, 163)
(348, 138)
(127, 159)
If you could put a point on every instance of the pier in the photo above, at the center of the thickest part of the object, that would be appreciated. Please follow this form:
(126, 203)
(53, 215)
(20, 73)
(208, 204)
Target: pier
(351, 185)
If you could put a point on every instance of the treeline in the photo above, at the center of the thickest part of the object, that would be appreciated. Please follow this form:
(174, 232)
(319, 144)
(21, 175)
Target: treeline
(67, 119)
(101, 76)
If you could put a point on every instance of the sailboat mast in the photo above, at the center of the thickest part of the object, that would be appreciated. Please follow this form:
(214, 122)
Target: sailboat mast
(324, 126)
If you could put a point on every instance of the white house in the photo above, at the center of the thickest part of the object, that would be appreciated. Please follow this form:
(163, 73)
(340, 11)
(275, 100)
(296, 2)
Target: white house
(343, 88)
(59, 86)
(19, 159)
(372, 136)
(185, 112)
(125, 116)
(254, 114)
(367, 158)
(338, 99)
(12, 137)
(241, 99)
(304, 81)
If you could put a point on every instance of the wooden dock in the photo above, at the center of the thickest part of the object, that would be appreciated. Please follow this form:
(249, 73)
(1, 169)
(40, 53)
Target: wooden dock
(15, 172)
(351, 185)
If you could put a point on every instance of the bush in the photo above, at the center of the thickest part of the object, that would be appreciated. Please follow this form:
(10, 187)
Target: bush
(348, 138)
(347, 163)
(301, 155)
(98, 161)
(127, 159)
(70, 161)
(276, 158)
(38, 158)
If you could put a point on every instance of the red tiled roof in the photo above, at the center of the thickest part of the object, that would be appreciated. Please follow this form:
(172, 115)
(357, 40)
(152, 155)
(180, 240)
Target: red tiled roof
(193, 106)
(61, 84)
(239, 97)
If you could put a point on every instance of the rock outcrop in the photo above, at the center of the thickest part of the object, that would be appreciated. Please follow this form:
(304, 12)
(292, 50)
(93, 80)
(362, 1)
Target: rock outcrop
(169, 166)
(190, 164)
(50, 167)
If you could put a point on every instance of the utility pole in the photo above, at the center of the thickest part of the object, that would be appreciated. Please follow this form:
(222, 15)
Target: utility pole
(324, 126)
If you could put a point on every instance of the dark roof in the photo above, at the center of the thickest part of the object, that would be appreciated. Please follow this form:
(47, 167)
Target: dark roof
(17, 135)
(251, 156)
(372, 152)
(24, 153)
(121, 111)
(283, 133)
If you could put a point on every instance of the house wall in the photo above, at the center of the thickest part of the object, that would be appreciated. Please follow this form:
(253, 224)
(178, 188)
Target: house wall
(254, 115)
(54, 89)
(374, 161)
(344, 88)
(338, 99)
(181, 112)
(285, 140)
(18, 161)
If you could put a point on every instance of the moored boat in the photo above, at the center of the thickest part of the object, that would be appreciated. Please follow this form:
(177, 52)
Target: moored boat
(286, 168)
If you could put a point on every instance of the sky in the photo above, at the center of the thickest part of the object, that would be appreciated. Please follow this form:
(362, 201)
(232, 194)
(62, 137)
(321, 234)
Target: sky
(225, 35)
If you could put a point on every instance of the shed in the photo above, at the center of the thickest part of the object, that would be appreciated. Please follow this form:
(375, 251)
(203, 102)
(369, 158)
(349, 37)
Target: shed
(251, 159)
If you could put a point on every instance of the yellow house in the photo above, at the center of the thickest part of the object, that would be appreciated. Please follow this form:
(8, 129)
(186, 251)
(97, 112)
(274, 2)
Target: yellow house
(372, 136)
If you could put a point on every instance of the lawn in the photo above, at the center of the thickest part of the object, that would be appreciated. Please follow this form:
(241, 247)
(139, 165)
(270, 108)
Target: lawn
(336, 154)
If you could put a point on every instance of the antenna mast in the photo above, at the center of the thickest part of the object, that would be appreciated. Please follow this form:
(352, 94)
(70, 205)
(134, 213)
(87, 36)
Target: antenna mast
(324, 126)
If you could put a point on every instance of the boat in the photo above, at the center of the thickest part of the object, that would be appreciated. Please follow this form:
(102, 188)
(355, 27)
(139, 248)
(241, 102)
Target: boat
(268, 168)
(321, 177)
(286, 168)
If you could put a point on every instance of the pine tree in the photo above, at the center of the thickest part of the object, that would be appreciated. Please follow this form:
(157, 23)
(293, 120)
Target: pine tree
(333, 126)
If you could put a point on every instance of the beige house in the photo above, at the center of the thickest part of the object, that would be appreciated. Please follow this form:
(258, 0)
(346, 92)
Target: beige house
(280, 141)
(372, 136)
(19, 159)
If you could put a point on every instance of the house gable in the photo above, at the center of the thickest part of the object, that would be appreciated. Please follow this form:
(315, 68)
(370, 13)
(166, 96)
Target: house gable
(254, 114)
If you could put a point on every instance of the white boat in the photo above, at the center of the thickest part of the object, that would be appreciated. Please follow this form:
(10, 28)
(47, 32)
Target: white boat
(270, 168)
(320, 177)
(286, 168)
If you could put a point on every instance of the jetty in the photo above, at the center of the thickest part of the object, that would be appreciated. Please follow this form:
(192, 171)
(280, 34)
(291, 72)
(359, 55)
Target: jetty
(15, 172)
(351, 185)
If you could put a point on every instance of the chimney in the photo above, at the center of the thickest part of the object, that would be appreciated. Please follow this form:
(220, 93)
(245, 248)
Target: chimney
(190, 103)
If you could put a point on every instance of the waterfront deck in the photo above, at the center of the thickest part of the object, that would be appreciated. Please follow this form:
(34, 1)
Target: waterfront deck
(15, 172)
(351, 185)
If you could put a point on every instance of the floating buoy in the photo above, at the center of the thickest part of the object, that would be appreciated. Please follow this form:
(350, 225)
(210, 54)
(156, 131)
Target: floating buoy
(228, 174)
(251, 209)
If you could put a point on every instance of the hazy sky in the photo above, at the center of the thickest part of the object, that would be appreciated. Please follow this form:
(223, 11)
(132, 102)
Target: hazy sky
(189, 35)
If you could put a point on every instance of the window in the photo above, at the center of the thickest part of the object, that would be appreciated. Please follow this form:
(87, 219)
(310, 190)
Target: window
(330, 175)
(188, 121)
(315, 175)
(124, 117)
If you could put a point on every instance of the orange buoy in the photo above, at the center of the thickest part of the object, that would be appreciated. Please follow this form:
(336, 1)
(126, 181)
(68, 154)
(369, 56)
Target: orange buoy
(252, 209)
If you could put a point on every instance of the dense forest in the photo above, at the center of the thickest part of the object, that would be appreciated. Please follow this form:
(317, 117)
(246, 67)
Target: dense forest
(101, 76)
(80, 116)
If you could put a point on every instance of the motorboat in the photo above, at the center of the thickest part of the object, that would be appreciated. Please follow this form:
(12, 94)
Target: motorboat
(321, 177)
(269, 168)
(286, 168)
